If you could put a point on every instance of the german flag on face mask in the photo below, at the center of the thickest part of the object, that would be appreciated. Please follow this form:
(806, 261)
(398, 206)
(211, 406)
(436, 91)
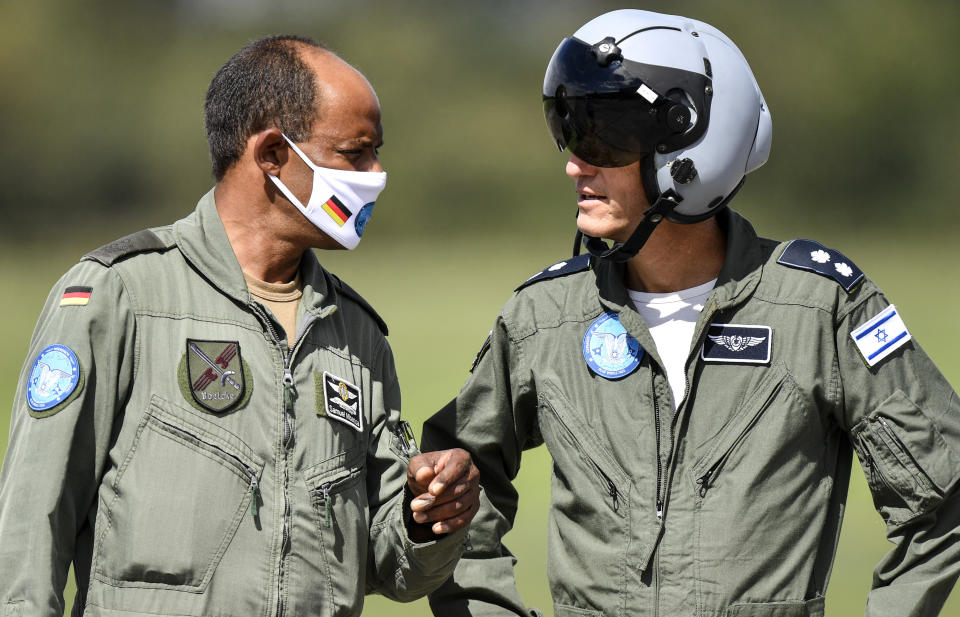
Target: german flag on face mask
(76, 296)
(337, 211)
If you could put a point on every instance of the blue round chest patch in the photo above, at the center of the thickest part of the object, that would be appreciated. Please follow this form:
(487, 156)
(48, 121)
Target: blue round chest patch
(53, 377)
(609, 350)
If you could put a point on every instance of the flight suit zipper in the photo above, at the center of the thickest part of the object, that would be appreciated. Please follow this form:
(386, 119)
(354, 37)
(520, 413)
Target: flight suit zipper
(287, 353)
(662, 475)
(254, 493)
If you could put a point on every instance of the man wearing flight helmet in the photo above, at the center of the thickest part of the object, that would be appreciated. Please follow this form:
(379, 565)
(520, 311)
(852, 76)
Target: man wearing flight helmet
(701, 390)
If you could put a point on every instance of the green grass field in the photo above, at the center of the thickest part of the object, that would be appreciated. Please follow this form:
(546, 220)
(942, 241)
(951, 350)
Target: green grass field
(441, 301)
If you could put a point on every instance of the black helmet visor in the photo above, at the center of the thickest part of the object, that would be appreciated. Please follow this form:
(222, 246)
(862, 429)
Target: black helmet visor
(610, 112)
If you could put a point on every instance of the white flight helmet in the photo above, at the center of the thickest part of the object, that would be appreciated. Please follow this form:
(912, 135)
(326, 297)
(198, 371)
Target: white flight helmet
(675, 94)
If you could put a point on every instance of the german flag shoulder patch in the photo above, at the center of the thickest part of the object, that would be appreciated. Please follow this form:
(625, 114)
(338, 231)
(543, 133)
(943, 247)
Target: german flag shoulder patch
(76, 296)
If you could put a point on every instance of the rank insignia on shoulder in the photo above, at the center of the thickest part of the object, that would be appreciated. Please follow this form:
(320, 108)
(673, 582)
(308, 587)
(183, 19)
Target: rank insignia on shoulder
(881, 335)
(814, 257)
(608, 348)
(53, 378)
(737, 344)
(76, 296)
(213, 375)
(341, 401)
(562, 268)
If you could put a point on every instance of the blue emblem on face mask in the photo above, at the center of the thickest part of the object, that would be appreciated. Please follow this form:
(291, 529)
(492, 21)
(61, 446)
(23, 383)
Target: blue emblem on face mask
(609, 350)
(53, 377)
(362, 217)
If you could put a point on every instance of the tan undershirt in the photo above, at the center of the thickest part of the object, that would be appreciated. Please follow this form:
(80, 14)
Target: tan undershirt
(282, 299)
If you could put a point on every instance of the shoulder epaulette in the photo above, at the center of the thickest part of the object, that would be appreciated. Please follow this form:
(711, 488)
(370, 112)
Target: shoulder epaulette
(562, 268)
(814, 257)
(351, 293)
(139, 242)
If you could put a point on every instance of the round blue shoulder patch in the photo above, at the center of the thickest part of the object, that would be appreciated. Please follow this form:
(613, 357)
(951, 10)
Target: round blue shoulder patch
(53, 377)
(609, 350)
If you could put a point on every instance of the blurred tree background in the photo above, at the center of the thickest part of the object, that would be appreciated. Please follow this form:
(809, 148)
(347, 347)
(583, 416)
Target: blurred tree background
(101, 118)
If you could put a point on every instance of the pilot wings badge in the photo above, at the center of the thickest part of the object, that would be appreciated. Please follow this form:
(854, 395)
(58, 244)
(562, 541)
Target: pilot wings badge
(738, 344)
(608, 348)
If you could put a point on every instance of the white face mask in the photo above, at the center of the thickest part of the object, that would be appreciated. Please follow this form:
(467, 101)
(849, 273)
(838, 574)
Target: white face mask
(341, 201)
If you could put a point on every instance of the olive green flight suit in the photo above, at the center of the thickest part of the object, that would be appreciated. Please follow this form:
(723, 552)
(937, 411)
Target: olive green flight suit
(732, 505)
(203, 463)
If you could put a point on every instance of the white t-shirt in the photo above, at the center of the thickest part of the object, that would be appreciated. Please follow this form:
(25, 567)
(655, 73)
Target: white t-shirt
(671, 318)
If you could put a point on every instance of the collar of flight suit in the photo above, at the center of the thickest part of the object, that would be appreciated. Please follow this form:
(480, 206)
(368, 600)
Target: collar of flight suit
(738, 277)
(203, 240)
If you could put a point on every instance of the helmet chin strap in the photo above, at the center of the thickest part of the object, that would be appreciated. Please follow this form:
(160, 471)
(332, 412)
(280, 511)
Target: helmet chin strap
(623, 251)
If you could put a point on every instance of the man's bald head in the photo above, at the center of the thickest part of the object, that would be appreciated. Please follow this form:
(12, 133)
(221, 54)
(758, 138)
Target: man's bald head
(271, 82)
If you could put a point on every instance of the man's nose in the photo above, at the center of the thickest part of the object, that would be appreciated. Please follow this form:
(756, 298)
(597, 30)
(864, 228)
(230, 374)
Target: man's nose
(577, 167)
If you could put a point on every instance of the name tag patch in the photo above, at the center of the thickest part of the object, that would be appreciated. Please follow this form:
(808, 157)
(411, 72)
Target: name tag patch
(738, 344)
(881, 335)
(341, 401)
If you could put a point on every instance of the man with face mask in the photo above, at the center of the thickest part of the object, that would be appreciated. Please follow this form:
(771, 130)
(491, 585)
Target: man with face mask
(208, 421)
(701, 390)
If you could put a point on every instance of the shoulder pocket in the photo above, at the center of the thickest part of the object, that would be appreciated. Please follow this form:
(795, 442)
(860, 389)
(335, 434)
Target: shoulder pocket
(176, 502)
(906, 461)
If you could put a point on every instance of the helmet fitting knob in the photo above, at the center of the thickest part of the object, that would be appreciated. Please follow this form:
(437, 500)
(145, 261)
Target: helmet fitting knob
(607, 51)
(683, 171)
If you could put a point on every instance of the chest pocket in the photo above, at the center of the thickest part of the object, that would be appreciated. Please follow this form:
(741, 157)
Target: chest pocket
(762, 481)
(590, 510)
(175, 504)
(710, 466)
(337, 489)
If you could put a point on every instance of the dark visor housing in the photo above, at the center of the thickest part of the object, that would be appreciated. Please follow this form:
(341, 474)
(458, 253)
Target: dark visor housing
(611, 112)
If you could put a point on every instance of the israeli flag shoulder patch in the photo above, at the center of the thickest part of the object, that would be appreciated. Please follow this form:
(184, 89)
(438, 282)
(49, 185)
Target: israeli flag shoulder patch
(814, 257)
(881, 335)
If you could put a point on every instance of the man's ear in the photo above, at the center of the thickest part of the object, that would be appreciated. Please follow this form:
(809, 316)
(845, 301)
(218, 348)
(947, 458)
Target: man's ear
(269, 150)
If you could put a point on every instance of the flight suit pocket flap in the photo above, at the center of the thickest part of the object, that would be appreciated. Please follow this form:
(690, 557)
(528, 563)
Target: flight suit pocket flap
(571, 611)
(203, 430)
(333, 468)
(809, 608)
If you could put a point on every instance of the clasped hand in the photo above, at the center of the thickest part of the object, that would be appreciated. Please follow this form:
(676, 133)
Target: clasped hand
(446, 490)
